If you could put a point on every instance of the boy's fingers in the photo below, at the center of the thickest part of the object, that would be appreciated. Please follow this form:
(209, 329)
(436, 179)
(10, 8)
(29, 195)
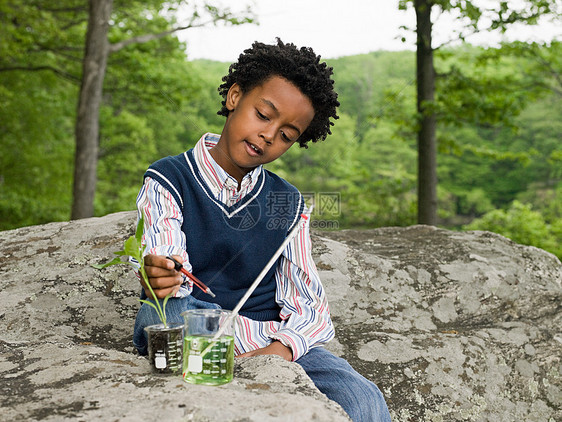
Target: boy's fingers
(162, 276)
(162, 286)
(157, 272)
(162, 293)
(177, 258)
(165, 282)
(159, 261)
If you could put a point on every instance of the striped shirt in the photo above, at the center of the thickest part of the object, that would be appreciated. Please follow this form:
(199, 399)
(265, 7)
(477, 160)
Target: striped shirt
(305, 316)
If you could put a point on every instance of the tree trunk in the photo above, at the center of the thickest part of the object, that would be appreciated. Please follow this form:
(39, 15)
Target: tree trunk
(87, 119)
(427, 149)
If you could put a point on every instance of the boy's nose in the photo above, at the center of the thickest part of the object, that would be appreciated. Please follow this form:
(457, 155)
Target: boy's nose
(267, 135)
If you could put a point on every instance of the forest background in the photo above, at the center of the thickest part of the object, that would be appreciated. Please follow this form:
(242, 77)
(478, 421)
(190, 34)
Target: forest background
(499, 159)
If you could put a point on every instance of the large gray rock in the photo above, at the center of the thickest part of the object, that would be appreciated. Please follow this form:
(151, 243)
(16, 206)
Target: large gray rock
(66, 351)
(451, 326)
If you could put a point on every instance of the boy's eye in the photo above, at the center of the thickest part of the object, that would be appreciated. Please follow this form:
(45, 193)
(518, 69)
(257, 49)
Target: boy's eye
(285, 137)
(261, 115)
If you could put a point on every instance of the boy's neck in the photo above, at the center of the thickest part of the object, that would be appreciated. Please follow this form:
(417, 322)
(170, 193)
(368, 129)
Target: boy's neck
(222, 159)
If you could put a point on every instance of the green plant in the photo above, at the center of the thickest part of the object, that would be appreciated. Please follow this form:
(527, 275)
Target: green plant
(134, 248)
(521, 224)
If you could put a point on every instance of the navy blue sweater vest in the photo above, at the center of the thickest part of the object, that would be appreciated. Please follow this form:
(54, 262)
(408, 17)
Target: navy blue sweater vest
(229, 246)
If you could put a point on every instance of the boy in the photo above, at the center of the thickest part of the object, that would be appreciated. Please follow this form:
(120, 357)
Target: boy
(219, 212)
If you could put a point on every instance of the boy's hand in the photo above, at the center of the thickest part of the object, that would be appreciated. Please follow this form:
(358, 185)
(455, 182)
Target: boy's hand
(162, 276)
(275, 348)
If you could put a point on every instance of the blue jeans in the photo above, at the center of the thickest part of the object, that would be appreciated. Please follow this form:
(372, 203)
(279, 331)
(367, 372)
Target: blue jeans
(333, 376)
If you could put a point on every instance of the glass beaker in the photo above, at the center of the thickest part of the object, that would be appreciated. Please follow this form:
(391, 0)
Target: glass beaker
(165, 347)
(206, 359)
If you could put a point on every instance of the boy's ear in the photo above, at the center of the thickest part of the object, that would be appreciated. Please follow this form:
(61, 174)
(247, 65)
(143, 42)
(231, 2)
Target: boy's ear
(233, 96)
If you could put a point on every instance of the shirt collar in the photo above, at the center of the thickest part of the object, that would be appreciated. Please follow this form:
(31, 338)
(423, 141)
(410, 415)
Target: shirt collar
(213, 174)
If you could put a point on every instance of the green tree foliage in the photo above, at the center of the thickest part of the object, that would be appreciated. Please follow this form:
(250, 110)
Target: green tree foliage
(41, 36)
(36, 118)
(371, 167)
(503, 162)
(156, 103)
(147, 66)
(38, 72)
(481, 99)
(523, 225)
(128, 145)
(149, 90)
(369, 85)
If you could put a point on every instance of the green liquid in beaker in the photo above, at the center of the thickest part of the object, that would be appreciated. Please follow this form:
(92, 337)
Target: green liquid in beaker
(215, 367)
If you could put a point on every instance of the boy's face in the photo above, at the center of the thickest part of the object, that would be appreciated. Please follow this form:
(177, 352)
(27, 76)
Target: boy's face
(262, 125)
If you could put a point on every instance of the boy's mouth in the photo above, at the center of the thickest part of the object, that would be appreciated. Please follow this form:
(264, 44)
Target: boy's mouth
(253, 149)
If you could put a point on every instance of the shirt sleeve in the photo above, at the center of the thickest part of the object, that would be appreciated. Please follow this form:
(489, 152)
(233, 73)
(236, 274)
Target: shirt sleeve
(305, 314)
(162, 226)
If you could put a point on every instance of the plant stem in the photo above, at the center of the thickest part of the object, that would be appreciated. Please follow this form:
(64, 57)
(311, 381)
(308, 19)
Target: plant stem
(161, 313)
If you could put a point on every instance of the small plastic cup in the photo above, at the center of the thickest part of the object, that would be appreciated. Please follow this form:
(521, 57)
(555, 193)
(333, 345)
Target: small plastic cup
(207, 360)
(165, 347)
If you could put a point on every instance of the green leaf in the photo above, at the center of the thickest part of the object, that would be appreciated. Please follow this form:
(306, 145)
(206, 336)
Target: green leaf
(164, 305)
(140, 228)
(115, 261)
(153, 305)
(131, 247)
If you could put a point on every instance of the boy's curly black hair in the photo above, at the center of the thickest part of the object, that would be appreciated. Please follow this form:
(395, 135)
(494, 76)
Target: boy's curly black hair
(301, 67)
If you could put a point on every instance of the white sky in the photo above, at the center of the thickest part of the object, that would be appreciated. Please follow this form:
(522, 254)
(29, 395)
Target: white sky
(333, 28)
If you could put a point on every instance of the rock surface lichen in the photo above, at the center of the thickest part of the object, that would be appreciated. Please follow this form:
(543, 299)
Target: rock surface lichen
(451, 326)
